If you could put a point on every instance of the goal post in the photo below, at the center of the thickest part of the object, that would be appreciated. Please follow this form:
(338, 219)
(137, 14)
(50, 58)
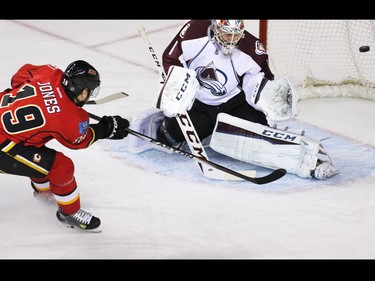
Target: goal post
(322, 57)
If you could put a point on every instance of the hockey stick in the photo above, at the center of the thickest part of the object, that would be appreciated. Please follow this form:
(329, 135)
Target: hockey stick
(274, 175)
(142, 32)
(186, 125)
(109, 98)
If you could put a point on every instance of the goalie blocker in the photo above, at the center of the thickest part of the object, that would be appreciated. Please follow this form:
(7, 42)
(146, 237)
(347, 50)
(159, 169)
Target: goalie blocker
(271, 148)
(179, 91)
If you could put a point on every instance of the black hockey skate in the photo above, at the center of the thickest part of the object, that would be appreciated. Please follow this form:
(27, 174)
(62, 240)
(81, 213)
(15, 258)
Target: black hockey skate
(80, 220)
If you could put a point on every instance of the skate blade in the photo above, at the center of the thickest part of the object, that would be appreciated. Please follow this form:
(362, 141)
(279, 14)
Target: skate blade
(95, 230)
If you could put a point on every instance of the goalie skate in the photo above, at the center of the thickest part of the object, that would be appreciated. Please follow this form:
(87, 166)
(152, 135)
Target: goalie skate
(324, 170)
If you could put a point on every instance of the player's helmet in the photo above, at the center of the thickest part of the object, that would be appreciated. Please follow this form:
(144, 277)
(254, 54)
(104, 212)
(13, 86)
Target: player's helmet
(227, 33)
(80, 75)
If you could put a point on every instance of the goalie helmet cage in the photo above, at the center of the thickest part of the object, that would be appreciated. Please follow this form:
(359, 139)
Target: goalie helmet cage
(322, 57)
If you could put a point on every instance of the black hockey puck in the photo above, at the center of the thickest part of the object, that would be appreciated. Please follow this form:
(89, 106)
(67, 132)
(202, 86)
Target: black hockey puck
(364, 49)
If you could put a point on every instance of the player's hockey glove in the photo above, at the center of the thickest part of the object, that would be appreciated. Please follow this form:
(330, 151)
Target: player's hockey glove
(111, 127)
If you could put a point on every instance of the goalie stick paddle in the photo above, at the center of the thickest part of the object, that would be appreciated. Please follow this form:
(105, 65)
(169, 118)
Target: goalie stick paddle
(109, 98)
(273, 176)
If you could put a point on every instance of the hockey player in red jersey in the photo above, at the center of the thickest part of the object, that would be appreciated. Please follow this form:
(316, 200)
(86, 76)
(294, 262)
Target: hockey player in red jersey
(235, 85)
(45, 103)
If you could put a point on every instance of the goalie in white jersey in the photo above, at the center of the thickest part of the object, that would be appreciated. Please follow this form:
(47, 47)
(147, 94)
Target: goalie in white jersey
(234, 98)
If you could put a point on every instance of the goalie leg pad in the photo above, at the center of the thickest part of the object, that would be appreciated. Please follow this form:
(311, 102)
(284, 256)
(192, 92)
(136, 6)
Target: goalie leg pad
(147, 123)
(264, 146)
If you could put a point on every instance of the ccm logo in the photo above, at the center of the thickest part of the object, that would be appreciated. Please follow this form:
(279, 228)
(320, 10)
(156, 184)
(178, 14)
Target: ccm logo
(183, 87)
(278, 135)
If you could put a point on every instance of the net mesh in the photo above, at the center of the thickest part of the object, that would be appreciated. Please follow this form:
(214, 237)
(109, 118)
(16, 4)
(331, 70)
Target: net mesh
(322, 57)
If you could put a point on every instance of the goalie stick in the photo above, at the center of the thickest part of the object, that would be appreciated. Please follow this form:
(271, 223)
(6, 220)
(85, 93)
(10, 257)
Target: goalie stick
(274, 175)
(109, 98)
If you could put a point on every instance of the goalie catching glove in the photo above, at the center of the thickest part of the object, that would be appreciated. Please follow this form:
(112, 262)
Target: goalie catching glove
(179, 91)
(276, 98)
(111, 127)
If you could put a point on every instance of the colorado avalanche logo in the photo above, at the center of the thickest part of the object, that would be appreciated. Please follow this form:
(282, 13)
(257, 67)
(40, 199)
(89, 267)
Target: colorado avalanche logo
(259, 48)
(210, 77)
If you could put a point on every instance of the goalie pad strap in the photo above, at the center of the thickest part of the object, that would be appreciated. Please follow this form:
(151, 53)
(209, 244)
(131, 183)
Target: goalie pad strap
(264, 146)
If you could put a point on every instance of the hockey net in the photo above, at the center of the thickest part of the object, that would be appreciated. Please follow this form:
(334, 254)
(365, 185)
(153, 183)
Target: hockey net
(322, 57)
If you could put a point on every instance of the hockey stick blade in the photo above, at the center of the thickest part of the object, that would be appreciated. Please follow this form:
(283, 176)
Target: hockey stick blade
(273, 176)
(109, 98)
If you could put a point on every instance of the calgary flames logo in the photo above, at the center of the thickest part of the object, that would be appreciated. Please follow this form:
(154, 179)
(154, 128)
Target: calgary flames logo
(37, 158)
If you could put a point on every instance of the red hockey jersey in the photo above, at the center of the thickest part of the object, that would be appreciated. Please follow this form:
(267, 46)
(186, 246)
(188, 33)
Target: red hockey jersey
(36, 110)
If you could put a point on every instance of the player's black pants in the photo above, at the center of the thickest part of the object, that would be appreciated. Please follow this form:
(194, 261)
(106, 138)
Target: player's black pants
(29, 161)
(204, 116)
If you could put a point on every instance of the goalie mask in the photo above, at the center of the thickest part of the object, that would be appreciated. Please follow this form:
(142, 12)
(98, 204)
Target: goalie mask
(227, 33)
(78, 76)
